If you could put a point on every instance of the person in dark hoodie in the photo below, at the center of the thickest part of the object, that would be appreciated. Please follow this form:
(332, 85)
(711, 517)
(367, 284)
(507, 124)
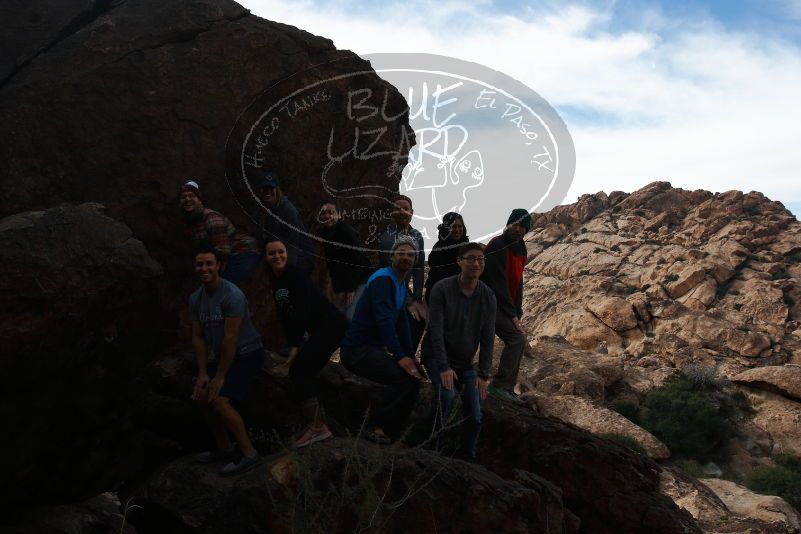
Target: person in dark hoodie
(506, 258)
(282, 221)
(378, 344)
(445, 252)
(303, 309)
(345, 258)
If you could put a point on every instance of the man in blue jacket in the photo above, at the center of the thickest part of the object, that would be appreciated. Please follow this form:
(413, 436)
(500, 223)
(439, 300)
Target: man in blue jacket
(378, 344)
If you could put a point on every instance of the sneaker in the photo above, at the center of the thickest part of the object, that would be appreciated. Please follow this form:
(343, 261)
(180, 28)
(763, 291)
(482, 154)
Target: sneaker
(504, 394)
(313, 435)
(245, 463)
(215, 455)
(378, 439)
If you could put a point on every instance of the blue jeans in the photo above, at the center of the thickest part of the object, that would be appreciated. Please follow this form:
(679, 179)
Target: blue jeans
(471, 406)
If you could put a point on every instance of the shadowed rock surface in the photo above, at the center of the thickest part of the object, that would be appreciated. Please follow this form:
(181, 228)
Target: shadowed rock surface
(605, 487)
(81, 296)
(101, 514)
(345, 485)
(120, 102)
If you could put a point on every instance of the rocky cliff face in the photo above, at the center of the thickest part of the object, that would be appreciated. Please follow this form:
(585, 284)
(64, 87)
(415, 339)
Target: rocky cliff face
(107, 107)
(623, 291)
(120, 102)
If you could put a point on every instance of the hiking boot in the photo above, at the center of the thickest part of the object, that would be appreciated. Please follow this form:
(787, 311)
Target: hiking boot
(313, 435)
(504, 394)
(245, 463)
(215, 455)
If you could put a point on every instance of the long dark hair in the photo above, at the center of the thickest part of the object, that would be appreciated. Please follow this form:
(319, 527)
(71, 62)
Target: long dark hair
(267, 267)
(444, 229)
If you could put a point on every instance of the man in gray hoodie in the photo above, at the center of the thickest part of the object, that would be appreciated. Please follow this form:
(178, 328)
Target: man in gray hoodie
(461, 321)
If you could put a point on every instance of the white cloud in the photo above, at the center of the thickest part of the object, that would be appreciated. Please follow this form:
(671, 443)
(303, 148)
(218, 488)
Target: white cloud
(687, 101)
(791, 8)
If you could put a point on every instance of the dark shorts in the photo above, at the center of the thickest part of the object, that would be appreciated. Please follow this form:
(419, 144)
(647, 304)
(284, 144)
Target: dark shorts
(240, 375)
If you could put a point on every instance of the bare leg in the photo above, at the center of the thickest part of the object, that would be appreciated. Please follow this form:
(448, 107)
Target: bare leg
(233, 423)
(221, 437)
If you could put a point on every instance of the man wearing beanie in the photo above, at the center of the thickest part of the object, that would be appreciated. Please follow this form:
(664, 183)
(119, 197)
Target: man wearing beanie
(239, 253)
(506, 257)
(402, 226)
(378, 345)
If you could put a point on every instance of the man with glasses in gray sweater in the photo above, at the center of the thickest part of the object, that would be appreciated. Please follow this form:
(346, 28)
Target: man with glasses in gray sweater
(461, 321)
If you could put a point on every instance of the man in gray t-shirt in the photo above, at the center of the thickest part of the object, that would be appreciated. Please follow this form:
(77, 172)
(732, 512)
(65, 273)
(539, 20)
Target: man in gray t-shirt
(211, 310)
(229, 354)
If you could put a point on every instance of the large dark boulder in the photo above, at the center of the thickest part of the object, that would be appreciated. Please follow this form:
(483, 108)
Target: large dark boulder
(119, 102)
(611, 488)
(605, 487)
(81, 317)
(347, 485)
(101, 514)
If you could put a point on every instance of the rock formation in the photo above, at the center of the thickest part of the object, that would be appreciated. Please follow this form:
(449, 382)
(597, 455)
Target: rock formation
(109, 105)
(83, 317)
(667, 281)
(120, 102)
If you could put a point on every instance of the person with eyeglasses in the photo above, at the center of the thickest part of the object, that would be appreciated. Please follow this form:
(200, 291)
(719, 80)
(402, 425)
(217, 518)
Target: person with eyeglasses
(462, 312)
(506, 257)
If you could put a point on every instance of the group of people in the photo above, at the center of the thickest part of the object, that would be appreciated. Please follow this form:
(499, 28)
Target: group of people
(377, 318)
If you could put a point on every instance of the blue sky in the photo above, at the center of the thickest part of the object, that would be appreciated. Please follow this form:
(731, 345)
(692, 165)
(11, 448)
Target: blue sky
(701, 94)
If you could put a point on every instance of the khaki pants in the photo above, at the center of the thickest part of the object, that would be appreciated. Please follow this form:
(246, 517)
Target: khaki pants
(514, 343)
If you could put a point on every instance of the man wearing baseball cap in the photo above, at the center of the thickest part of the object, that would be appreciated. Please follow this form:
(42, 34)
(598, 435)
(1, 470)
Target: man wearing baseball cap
(505, 259)
(283, 222)
(378, 345)
(239, 253)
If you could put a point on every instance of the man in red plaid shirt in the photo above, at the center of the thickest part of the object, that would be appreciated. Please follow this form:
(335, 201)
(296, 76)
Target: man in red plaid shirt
(239, 252)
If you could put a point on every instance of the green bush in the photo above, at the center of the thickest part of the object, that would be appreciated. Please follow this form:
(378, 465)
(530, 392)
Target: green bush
(690, 418)
(783, 480)
(615, 248)
(626, 441)
(599, 250)
(670, 279)
(628, 409)
(691, 468)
